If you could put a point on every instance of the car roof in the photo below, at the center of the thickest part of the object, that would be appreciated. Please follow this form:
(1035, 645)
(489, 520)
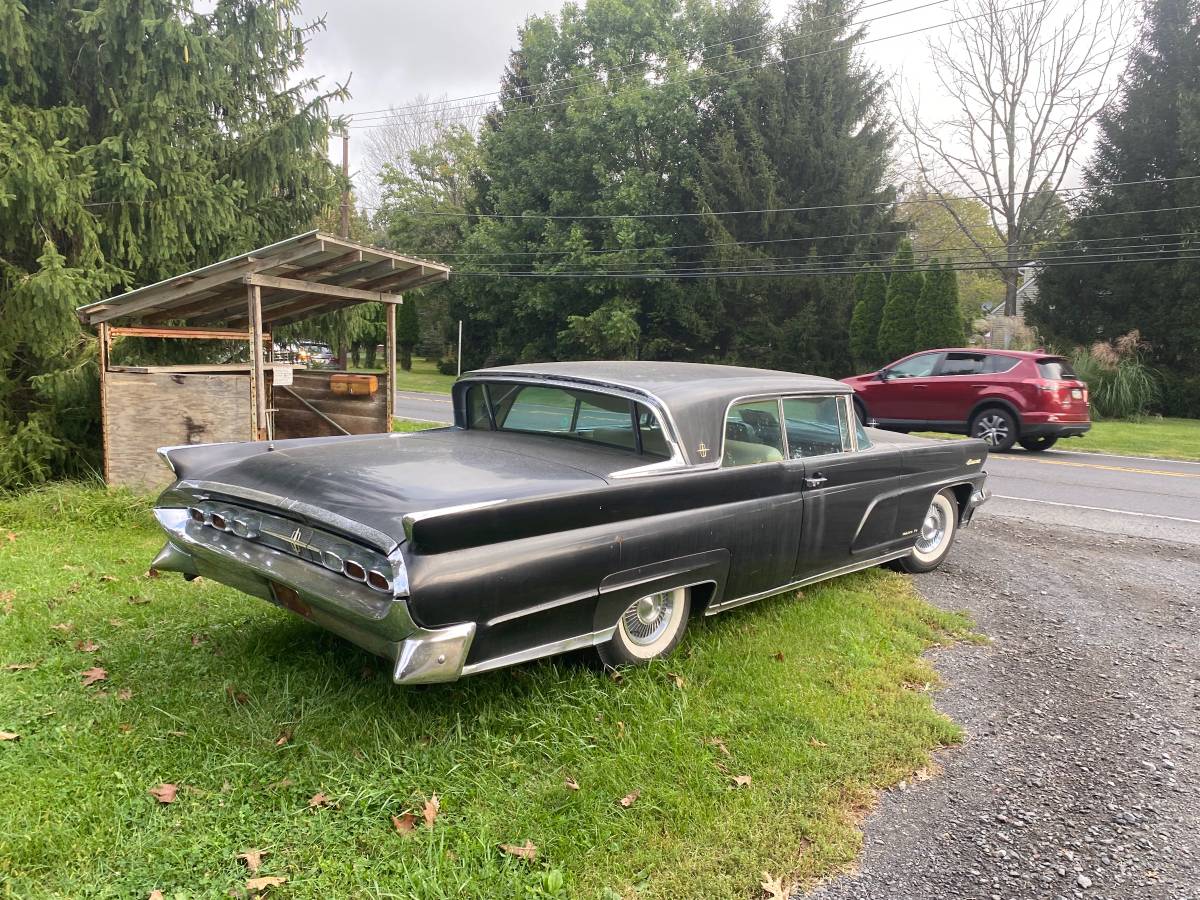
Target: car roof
(675, 383)
(995, 351)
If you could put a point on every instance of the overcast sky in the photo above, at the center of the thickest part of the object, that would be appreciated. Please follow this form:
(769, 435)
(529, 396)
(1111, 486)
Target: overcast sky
(394, 51)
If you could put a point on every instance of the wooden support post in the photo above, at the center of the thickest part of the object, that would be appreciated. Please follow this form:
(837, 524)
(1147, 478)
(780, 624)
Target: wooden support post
(389, 361)
(254, 297)
(103, 330)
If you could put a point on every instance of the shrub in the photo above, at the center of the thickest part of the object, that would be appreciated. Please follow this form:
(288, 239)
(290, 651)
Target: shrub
(1120, 384)
(1180, 395)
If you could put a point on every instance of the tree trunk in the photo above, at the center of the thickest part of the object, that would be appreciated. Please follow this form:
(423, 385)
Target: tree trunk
(1010, 292)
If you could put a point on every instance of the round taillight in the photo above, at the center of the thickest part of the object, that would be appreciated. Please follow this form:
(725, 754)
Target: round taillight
(351, 569)
(244, 528)
(196, 515)
(218, 521)
(331, 560)
(378, 581)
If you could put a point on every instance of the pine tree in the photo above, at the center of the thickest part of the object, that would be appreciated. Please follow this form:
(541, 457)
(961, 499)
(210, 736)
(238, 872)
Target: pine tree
(138, 139)
(408, 330)
(898, 328)
(939, 319)
(1152, 134)
(864, 324)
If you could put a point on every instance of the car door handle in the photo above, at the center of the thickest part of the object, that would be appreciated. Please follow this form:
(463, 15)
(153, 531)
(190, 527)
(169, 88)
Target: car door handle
(919, 387)
(815, 480)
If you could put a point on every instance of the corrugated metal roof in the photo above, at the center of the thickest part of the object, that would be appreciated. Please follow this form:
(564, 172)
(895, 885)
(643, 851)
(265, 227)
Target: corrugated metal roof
(218, 293)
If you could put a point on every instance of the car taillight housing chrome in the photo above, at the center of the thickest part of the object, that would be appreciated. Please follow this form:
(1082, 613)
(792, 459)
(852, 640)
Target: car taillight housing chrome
(336, 554)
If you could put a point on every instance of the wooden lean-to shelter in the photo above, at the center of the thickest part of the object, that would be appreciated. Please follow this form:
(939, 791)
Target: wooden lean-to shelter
(241, 299)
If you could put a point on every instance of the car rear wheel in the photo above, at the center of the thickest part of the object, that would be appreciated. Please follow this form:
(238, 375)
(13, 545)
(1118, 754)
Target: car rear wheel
(1037, 444)
(996, 426)
(935, 536)
(650, 627)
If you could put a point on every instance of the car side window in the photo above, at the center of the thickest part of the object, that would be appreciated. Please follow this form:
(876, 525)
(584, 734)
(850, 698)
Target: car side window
(997, 363)
(919, 366)
(477, 414)
(816, 426)
(753, 433)
(963, 364)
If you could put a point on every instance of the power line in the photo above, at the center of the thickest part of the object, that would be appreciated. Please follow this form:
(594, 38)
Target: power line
(1085, 259)
(526, 90)
(388, 118)
(771, 62)
(782, 209)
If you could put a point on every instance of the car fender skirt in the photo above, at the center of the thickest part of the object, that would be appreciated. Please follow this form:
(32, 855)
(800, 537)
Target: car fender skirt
(380, 624)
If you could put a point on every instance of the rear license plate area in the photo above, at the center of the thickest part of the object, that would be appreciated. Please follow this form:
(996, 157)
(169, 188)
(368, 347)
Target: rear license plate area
(290, 600)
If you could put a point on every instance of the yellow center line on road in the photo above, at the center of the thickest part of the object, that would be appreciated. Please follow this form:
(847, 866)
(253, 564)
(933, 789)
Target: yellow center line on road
(1083, 465)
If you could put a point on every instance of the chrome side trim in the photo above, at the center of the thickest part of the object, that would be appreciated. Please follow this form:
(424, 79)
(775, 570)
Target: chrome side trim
(531, 653)
(832, 573)
(541, 607)
(436, 655)
(413, 518)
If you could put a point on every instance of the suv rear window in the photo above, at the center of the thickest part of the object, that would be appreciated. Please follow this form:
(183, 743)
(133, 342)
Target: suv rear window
(1055, 369)
(998, 362)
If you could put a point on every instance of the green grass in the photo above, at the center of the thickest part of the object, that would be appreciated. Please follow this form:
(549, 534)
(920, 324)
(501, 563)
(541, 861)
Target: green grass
(1167, 438)
(202, 683)
(424, 376)
(410, 425)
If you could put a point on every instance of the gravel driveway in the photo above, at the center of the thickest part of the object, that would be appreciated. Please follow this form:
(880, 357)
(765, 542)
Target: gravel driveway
(1078, 774)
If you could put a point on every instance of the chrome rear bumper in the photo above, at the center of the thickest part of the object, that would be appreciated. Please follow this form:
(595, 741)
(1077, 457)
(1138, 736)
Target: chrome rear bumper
(979, 496)
(378, 623)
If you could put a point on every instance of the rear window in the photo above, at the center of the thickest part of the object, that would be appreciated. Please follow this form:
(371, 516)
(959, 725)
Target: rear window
(1055, 369)
(586, 416)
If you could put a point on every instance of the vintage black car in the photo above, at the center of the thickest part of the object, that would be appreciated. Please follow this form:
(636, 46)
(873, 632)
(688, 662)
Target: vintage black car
(570, 505)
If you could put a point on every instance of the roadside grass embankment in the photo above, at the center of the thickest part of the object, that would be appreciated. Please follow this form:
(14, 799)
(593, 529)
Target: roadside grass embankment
(423, 377)
(1166, 438)
(283, 739)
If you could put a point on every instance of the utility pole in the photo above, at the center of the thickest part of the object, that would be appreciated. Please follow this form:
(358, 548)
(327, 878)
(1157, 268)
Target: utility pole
(345, 230)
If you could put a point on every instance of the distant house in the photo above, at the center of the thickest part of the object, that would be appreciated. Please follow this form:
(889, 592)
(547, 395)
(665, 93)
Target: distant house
(1011, 331)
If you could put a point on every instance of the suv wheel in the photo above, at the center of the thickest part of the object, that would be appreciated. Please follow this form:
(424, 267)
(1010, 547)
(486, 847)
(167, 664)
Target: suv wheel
(996, 426)
(1036, 444)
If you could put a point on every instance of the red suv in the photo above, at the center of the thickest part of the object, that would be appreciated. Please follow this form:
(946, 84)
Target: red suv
(999, 396)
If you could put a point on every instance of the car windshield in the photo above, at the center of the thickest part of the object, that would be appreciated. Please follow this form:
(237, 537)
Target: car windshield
(589, 416)
(1055, 369)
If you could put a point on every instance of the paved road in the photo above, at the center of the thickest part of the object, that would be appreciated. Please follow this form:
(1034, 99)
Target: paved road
(1143, 497)
(424, 407)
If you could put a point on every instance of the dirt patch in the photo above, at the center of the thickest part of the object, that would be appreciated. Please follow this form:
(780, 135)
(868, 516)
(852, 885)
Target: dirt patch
(1078, 774)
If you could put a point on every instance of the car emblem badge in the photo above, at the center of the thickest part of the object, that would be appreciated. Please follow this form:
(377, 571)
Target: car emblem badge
(702, 450)
(294, 540)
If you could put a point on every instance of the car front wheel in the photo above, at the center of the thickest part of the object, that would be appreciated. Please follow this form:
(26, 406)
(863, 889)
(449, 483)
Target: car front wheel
(1037, 444)
(935, 536)
(650, 627)
(996, 426)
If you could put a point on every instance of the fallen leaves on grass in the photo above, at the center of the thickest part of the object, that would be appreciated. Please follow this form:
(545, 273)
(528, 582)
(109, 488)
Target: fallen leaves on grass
(774, 887)
(6, 601)
(318, 800)
(526, 851)
(252, 858)
(779, 656)
(198, 639)
(404, 824)
(677, 679)
(741, 781)
(108, 577)
(258, 885)
(620, 729)
(571, 784)
(720, 745)
(125, 694)
(138, 601)
(94, 674)
(629, 799)
(281, 784)
(124, 728)
(813, 742)
(616, 676)
(284, 737)
(152, 572)
(432, 807)
(64, 627)
(88, 646)
(12, 536)
(240, 698)
(19, 667)
(156, 894)
(9, 736)
(165, 793)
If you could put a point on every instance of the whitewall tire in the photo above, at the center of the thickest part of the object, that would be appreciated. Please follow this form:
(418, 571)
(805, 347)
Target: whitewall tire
(935, 535)
(648, 628)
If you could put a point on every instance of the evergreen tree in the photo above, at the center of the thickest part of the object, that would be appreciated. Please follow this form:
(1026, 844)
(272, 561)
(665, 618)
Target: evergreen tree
(939, 319)
(864, 324)
(408, 330)
(898, 328)
(1152, 133)
(138, 139)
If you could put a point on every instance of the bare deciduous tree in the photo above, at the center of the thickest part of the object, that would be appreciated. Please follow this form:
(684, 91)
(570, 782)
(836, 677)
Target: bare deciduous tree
(390, 138)
(1024, 84)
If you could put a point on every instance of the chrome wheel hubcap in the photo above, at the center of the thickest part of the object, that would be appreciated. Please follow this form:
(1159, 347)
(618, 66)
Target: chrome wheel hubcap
(646, 619)
(992, 429)
(933, 530)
